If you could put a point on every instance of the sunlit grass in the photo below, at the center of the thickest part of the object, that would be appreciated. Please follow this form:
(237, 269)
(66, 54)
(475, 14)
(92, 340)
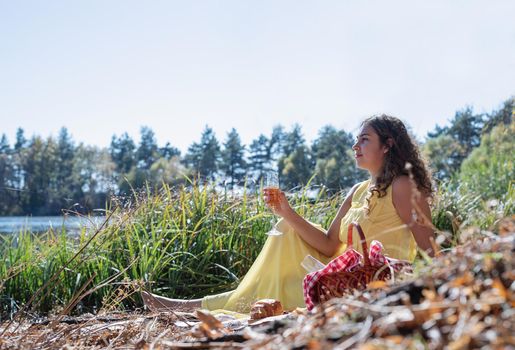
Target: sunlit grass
(185, 241)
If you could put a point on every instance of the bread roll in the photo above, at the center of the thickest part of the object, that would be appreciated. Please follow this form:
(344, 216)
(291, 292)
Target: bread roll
(265, 308)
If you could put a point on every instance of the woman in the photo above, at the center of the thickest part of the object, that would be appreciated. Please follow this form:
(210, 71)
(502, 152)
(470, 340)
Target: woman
(390, 207)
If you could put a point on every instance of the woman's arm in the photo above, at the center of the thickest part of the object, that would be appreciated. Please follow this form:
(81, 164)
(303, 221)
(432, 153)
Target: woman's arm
(326, 243)
(403, 196)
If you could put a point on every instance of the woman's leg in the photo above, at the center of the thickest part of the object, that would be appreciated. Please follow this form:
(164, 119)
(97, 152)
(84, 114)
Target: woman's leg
(216, 301)
(159, 303)
(276, 273)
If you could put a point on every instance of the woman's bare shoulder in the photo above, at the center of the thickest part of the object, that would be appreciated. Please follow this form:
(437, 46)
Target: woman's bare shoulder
(402, 183)
(403, 187)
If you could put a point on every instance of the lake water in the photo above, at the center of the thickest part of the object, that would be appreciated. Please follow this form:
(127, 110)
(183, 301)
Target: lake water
(37, 224)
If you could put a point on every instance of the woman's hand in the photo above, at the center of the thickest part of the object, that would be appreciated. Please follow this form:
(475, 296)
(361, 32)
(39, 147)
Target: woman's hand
(276, 200)
(327, 243)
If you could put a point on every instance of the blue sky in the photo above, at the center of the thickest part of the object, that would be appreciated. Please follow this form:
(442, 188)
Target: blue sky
(106, 67)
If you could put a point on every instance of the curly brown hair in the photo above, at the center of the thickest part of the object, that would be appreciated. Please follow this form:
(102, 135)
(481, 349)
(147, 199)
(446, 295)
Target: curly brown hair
(402, 151)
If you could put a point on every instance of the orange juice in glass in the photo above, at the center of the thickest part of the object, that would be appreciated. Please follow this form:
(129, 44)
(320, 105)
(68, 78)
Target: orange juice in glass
(272, 191)
(273, 195)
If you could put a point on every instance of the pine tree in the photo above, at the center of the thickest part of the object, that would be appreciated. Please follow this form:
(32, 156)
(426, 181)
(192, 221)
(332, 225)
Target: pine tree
(147, 152)
(259, 157)
(37, 168)
(68, 188)
(6, 177)
(293, 140)
(4, 145)
(54, 170)
(168, 151)
(122, 151)
(277, 143)
(233, 163)
(204, 157)
(18, 160)
(21, 141)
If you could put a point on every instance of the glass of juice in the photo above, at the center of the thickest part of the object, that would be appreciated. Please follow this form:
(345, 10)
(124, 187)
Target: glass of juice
(272, 190)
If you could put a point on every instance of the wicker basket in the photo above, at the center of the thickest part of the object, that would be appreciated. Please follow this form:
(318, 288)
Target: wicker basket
(340, 283)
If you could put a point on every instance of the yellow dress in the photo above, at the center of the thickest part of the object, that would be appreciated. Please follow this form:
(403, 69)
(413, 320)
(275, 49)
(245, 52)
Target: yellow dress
(277, 272)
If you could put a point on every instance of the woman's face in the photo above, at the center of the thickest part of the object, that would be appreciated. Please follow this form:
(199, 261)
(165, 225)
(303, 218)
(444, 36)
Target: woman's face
(369, 153)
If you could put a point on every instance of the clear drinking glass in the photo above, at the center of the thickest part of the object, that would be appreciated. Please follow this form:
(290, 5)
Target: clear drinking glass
(272, 190)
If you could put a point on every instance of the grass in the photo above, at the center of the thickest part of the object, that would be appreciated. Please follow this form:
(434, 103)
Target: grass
(185, 241)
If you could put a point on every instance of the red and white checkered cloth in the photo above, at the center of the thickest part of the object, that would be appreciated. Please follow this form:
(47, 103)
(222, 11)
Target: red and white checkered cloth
(348, 261)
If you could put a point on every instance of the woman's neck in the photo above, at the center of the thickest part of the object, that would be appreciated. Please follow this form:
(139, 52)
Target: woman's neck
(373, 178)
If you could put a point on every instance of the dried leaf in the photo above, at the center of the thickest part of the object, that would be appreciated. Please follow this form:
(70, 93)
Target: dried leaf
(499, 287)
(430, 295)
(507, 226)
(313, 345)
(396, 339)
(210, 321)
(465, 279)
(461, 343)
(377, 284)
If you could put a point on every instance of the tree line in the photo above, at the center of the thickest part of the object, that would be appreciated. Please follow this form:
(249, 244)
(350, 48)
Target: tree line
(43, 176)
